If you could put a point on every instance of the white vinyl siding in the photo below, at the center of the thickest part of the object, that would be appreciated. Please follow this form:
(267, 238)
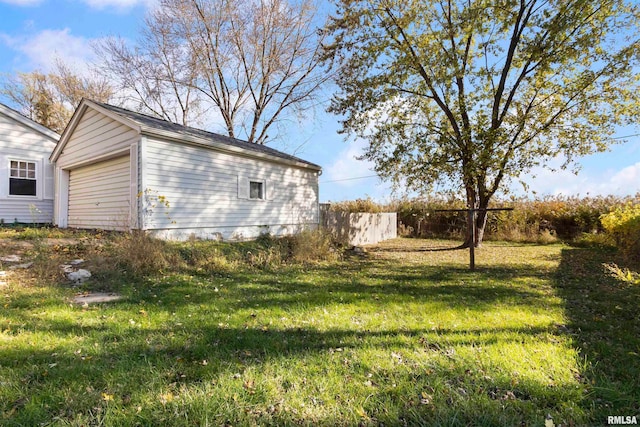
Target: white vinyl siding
(95, 136)
(21, 142)
(209, 189)
(26, 212)
(17, 138)
(99, 195)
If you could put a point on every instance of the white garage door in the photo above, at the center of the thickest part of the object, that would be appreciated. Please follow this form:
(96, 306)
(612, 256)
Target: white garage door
(99, 195)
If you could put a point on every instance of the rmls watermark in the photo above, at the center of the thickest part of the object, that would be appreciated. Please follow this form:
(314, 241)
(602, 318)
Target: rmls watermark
(622, 420)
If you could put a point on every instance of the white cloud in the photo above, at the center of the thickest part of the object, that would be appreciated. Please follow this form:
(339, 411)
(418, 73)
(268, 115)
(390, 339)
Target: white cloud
(41, 50)
(336, 182)
(346, 166)
(348, 178)
(625, 181)
(119, 5)
(22, 2)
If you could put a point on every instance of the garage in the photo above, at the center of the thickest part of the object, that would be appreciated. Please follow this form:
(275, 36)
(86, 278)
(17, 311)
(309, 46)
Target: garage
(99, 195)
(116, 169)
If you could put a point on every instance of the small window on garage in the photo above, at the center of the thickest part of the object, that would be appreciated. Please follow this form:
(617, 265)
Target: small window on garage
(256, 190)
(22, 178)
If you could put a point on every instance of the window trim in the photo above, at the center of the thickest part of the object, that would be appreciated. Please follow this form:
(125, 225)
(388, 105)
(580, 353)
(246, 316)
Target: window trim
(37, 178)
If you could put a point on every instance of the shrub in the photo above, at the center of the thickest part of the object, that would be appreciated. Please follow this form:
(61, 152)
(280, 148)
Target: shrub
(623, 223)
(542, 220)
(359, 205)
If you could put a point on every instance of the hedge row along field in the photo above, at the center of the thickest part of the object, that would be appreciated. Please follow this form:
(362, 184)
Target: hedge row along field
(540, 220)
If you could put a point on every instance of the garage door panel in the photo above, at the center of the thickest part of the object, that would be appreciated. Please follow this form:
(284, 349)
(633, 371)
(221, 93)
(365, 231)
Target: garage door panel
(99, 195)
(118, 174)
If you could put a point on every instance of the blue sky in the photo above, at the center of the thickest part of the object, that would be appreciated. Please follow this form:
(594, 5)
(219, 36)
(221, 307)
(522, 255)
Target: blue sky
(33, 33)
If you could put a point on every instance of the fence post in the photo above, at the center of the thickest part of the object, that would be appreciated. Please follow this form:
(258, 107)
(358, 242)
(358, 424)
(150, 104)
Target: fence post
(472, 238)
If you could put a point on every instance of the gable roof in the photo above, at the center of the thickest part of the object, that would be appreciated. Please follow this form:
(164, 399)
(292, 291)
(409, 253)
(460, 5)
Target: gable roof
(37, 127)
(154, 126)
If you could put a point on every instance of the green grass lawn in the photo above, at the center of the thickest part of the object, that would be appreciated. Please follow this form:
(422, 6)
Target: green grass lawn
(401, 336)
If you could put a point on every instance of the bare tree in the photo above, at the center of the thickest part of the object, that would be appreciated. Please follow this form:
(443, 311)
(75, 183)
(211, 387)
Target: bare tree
(50, 99)
(255, 63)
(158, 75)
(70, 86)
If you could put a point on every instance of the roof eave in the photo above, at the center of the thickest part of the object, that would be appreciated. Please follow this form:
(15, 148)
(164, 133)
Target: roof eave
(85, 104)
(208, 143)
(29, 123)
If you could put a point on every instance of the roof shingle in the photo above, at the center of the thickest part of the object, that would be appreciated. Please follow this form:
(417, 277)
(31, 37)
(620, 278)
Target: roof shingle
(146, 121)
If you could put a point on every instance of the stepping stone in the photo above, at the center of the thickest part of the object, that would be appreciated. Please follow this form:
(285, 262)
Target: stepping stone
(78, 277)
(21, 266)
(11, 258)
(96, 298)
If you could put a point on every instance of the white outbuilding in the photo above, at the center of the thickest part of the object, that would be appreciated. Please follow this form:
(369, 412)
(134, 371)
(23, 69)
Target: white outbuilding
(26, 175)
(120, 170)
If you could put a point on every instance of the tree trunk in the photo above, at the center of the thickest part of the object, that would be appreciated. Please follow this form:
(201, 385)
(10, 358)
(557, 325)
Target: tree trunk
(480, 218)
(481, 223)
(471, 204)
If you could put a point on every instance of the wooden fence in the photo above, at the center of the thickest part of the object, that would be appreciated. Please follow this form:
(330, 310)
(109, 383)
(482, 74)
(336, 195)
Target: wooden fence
(359, 228)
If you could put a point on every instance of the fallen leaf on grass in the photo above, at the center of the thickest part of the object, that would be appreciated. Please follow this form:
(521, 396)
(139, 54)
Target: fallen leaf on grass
(17, 405)
(249, 386)
(508, 396)
(425, 398)
(166, 398)
(361, 412)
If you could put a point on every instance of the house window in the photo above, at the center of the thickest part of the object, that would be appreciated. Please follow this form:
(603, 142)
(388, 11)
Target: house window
(22, 178)
(256, 190)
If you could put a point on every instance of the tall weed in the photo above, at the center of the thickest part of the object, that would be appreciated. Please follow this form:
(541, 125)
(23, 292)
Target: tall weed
(139, 254)
(312, 245)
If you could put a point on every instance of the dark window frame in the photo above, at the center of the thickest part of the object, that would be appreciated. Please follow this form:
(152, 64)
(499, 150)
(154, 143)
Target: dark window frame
(256, 186)
(23, 178)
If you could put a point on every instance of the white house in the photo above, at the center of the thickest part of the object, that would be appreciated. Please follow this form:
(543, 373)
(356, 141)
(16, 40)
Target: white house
(26, 175)
(118, 170)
